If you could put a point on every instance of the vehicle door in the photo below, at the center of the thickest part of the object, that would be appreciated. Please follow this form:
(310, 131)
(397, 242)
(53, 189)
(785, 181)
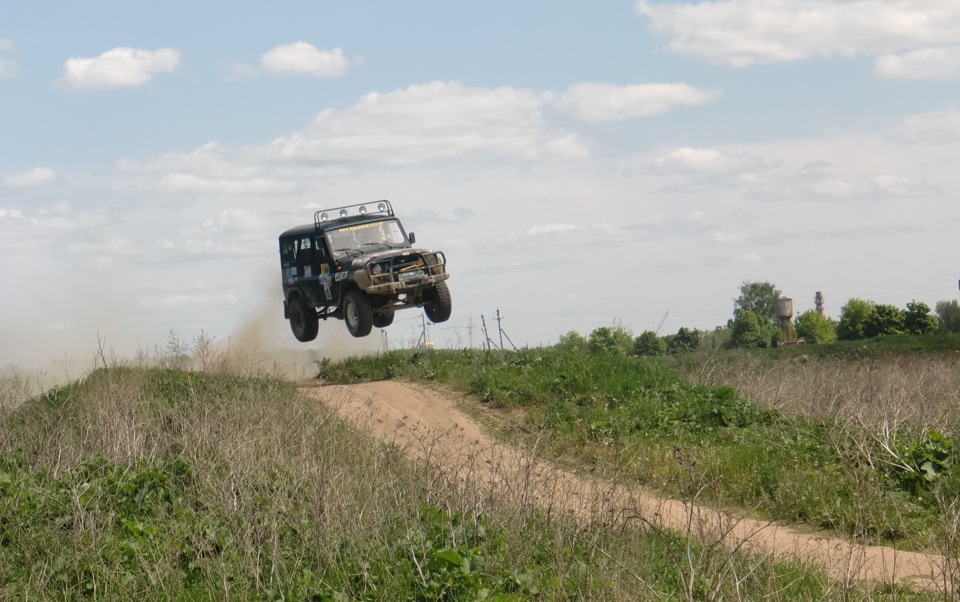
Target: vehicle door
(325, 272)
(305, 273)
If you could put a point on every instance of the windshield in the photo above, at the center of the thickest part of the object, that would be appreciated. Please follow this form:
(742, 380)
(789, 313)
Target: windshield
(385, 233)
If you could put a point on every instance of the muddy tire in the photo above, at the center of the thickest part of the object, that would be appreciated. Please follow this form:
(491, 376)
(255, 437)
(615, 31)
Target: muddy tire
(358, 313)
(303, 320)
(383, 319)
(437, 303)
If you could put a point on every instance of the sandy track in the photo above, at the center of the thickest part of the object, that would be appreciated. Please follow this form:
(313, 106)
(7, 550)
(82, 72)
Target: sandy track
(426, 425)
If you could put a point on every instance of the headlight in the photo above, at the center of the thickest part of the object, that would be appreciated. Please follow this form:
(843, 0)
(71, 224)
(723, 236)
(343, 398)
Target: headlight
(376, 269)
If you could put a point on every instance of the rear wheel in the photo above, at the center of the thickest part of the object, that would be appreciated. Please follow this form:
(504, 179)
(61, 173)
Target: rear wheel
(303, 320)
(437, 303)
(358, 313)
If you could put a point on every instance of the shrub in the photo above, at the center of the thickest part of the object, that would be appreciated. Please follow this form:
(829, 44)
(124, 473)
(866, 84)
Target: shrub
(648, 343)
(751, 331)
(614, 340)
(917, 319)
(684, 341)
(853, 319)
(948, 315)
(813, 328)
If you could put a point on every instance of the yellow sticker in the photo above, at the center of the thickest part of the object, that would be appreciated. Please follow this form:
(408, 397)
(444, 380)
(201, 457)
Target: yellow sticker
(324, 269)
(359, 226)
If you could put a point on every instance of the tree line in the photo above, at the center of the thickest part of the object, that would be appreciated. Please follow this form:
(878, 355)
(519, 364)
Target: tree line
(755, 324)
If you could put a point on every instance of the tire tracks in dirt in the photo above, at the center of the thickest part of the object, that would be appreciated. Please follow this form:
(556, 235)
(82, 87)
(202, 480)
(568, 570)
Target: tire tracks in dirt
(426, 425)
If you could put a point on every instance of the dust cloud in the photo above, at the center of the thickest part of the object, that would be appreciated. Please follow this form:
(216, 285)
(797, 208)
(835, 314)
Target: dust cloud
(262, 340)
(96, 321)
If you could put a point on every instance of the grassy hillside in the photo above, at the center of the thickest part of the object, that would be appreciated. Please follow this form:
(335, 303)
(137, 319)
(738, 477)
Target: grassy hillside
(836, 447)
(164, 484)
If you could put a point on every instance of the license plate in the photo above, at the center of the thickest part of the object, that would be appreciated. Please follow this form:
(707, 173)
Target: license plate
(411, 275)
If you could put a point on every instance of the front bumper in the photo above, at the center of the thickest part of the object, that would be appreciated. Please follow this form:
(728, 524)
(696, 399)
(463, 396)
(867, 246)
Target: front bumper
(391, 288)
(405, 273)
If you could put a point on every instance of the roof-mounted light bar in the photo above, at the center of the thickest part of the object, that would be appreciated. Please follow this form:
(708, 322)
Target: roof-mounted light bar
(335, 213)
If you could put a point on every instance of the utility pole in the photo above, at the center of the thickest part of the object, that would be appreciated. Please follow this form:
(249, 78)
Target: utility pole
(486, 336)
(470, 331)
(499, 328)
(422, 341)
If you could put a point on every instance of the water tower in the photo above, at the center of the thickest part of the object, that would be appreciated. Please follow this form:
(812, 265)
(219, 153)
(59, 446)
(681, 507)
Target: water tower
(785, 314)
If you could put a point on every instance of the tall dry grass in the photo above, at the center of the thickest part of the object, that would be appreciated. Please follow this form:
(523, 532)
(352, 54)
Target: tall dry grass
(879, 407)
(910, 391)
(265, 494)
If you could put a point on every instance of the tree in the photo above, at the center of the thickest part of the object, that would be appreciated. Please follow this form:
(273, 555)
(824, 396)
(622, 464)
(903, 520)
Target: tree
(758, 297)
(813, 328)
(648, 343)
(573, 341)
(853, 317)
(684, 341)
(917, 319)
(616, 340)
(948, 315)
(884, 319)
(751, 330)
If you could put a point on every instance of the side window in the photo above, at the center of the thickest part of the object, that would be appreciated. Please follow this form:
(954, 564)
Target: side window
(306, 249)
(320, 248)
(287, 251)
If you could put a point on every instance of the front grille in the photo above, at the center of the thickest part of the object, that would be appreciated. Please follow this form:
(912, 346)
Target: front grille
(407, 268)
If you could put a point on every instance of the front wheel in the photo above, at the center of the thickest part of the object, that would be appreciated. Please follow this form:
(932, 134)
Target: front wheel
(303, 320)
(358, 313)
(437, 303)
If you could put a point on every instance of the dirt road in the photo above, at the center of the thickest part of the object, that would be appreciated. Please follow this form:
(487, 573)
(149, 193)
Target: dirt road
(427, 425)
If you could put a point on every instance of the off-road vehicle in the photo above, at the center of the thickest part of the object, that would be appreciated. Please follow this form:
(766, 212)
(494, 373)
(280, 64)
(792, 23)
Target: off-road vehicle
(357, 264)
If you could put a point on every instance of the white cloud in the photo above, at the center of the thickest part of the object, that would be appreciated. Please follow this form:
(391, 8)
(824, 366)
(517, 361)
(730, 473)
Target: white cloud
(9, 69)
(439, 121)
(302, 58)
(934, 127)
(550, 229)
(118, 68)
(699, 170)
(193, 184)
(923, 63)
(745, 32)
(432, 121)
(596, 103)
(705, 160)
(837, 189)
(38, 177)
(11, 214)
(898, 186)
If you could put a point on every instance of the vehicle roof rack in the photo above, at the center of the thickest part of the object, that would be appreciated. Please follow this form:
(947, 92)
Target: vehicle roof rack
(336, 213)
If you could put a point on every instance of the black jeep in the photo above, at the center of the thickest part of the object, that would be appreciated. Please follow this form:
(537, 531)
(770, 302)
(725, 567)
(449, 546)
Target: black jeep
(356, 263)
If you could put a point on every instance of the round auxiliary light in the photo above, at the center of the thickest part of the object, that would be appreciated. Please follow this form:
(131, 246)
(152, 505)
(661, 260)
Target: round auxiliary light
(382, 207)
(343, 213)
(363, 210)
(324, 217)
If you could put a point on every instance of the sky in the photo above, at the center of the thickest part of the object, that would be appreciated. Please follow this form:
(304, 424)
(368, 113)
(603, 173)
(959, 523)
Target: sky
(581, 164)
